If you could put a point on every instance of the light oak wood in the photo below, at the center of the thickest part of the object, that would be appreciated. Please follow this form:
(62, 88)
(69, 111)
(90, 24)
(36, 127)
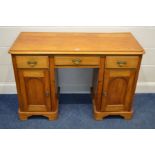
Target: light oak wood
(77, 66)
(32, 61)
(75, 43)
(118, 110)
(115, 57)
(100, 115)
(53, 84)
(21, 106)
(77, 60)
(97, 84)
(122, 61)
(35, 90)
(50, 115)
(117, 89)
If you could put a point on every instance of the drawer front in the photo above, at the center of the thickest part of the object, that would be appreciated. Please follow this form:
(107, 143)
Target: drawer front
(77, 60)
(32, 61)
(122, 61)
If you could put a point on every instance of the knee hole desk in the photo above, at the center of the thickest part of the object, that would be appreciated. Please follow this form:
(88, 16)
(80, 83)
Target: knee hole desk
(115, 57)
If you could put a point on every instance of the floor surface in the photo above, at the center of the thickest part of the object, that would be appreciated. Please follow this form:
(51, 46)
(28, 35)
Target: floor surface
(75, 112)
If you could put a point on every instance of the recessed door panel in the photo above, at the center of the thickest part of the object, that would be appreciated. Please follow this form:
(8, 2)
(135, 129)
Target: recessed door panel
(35, 88)
(117, 89)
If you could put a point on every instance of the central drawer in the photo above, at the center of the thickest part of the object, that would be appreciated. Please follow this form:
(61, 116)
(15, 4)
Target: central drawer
(77, 60)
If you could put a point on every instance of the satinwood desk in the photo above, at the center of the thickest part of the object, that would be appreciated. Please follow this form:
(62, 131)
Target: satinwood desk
(115, 58)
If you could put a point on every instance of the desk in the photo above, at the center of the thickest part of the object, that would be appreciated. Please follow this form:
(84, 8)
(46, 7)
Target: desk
(115, 57)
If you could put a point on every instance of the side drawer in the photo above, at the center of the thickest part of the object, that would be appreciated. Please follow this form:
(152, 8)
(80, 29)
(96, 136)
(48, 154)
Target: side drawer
(77, 60)
(32, 61)
(122, 61)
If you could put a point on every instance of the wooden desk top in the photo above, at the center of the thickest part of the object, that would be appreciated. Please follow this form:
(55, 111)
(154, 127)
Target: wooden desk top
(75, 43)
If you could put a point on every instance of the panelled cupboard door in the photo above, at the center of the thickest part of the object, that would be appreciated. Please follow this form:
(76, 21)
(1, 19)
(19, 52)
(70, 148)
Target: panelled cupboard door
(118, 89)
(35, 89)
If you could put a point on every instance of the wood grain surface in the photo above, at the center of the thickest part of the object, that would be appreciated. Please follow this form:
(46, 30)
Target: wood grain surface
(75, 43)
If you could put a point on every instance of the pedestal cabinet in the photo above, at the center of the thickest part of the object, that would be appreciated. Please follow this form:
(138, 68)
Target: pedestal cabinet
(36, 96)
(35, 89)
(114, 57)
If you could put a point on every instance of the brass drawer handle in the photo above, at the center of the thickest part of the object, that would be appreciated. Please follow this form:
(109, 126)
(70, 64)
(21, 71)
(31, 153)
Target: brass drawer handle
(32, 63)
(77, 61)
(121, 63)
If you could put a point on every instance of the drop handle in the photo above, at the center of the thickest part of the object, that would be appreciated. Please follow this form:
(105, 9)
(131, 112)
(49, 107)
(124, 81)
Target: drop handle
(32, 63)
(121, 63)
(77, 61)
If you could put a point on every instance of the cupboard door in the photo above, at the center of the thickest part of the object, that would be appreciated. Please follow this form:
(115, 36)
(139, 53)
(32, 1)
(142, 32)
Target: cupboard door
(35, 90)
(118, 89)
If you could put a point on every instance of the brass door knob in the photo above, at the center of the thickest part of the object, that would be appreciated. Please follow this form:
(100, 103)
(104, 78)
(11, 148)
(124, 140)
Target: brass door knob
(104, 93)
(47, 93)
(77, 61)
